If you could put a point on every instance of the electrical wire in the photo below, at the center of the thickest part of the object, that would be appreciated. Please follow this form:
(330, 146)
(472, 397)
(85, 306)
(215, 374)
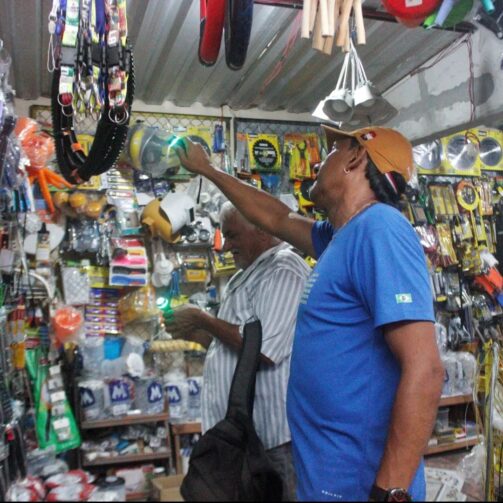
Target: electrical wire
(444, 53)
(451, 49)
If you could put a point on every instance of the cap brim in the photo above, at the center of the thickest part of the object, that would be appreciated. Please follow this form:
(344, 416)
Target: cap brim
(333, 134)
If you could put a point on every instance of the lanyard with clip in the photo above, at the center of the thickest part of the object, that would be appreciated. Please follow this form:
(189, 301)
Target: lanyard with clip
(83, 79)
(98, 54)
(88, 59)
(55, 26)
(68, 52)
(116, 57)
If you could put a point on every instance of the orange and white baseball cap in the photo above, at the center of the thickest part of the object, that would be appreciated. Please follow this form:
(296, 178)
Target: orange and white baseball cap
(388, 149)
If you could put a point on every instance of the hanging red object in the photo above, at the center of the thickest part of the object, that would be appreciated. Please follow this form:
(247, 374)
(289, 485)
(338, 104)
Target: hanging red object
(412, 22)
(411, 9)
(212, 25)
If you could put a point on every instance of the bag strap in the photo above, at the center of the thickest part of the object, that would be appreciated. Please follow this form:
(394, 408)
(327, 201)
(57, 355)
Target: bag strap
(242, 393)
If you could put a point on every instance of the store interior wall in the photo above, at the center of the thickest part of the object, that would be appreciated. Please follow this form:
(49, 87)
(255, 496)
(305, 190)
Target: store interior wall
(436, 102)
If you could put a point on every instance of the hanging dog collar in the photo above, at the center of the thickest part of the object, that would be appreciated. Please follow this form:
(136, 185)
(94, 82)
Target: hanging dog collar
(116, 39)
(69, 52)
(98, 58)
(84, 77)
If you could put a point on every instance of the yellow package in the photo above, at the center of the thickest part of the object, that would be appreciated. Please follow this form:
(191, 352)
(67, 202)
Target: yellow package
(264, 152)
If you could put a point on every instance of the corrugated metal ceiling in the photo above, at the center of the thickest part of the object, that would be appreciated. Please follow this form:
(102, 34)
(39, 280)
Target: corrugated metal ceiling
(165, 36)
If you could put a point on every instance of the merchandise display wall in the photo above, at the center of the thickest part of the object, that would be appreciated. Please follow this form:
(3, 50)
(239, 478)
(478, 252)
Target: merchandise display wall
(105, 234)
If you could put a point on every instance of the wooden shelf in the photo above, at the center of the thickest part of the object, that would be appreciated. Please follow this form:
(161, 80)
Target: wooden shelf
(185, 428)
(131, 458)
(138, 496)
(453, 446)
(455, 400)
(178, 429)
(124, 421)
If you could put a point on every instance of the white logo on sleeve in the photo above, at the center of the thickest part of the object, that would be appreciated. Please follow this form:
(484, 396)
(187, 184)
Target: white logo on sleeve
(308, 287)
(403, 298)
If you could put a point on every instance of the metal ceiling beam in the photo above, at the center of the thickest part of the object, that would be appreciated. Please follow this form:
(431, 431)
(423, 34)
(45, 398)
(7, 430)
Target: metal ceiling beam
(463, 27)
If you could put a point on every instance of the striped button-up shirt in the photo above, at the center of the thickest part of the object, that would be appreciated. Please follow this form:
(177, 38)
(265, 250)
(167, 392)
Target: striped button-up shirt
(269, 290)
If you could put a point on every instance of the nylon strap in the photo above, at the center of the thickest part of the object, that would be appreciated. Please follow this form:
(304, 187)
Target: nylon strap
(116, 44)
(82, 101)
(98, 31)
(69, 50)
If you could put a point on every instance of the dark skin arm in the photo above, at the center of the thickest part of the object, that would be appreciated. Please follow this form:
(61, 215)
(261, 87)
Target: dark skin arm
(200, 336)
(259, 207)
(416, 403)
(189, 321)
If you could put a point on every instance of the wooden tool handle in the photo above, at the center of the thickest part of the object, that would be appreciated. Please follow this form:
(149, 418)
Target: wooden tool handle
(337, 15)
(328, 45)
(318, 40)
(325, 20)
(344, 23)
(331, 16)
(360, 27)
(306, 19)
(313, 12)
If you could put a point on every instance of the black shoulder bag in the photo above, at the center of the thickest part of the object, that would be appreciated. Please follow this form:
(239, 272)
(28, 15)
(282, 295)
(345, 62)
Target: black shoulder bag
(229, 463)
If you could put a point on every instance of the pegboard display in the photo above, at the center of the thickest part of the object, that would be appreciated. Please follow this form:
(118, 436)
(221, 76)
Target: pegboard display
(171, 122)
(274, 133)
(279, 128)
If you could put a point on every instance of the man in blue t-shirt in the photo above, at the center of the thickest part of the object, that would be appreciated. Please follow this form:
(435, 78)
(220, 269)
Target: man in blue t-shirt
(366, 375)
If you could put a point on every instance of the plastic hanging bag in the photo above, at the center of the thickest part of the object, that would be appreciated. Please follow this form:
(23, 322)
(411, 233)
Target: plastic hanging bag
(473, 465)
(442, 338)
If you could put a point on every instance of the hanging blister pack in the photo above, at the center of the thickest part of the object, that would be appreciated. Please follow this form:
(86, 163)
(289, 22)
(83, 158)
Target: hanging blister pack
(76, 285)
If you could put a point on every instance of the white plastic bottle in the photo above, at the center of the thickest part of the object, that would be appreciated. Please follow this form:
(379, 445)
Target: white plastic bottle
(194, 385)
(176, 388)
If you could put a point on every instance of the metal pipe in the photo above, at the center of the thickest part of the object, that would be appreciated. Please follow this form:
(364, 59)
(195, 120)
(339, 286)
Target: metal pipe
(376, 15)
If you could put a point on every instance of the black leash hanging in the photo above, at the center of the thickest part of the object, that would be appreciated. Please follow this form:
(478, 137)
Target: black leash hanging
(114, 59)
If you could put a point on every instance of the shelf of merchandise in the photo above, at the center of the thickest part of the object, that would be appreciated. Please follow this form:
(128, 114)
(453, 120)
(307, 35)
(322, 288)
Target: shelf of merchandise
(125, 421)
(455, 400)
(453, 446)
(176, 431)
(131, 458)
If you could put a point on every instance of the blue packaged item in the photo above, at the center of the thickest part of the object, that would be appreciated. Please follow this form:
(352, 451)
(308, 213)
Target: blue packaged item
(113, 347)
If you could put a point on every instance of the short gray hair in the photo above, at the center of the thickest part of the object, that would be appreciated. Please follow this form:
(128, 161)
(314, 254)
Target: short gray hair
(228, 209)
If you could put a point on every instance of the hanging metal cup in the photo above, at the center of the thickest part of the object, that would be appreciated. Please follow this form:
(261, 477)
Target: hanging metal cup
(319, 113)
(338, 105)
(365, 94)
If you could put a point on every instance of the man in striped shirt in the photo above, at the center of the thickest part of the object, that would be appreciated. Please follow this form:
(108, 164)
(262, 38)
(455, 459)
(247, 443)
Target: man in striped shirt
(267, 287)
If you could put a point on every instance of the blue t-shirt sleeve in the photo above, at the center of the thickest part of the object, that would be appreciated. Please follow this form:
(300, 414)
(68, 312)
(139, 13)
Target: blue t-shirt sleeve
(321, 234)
(391, 274)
